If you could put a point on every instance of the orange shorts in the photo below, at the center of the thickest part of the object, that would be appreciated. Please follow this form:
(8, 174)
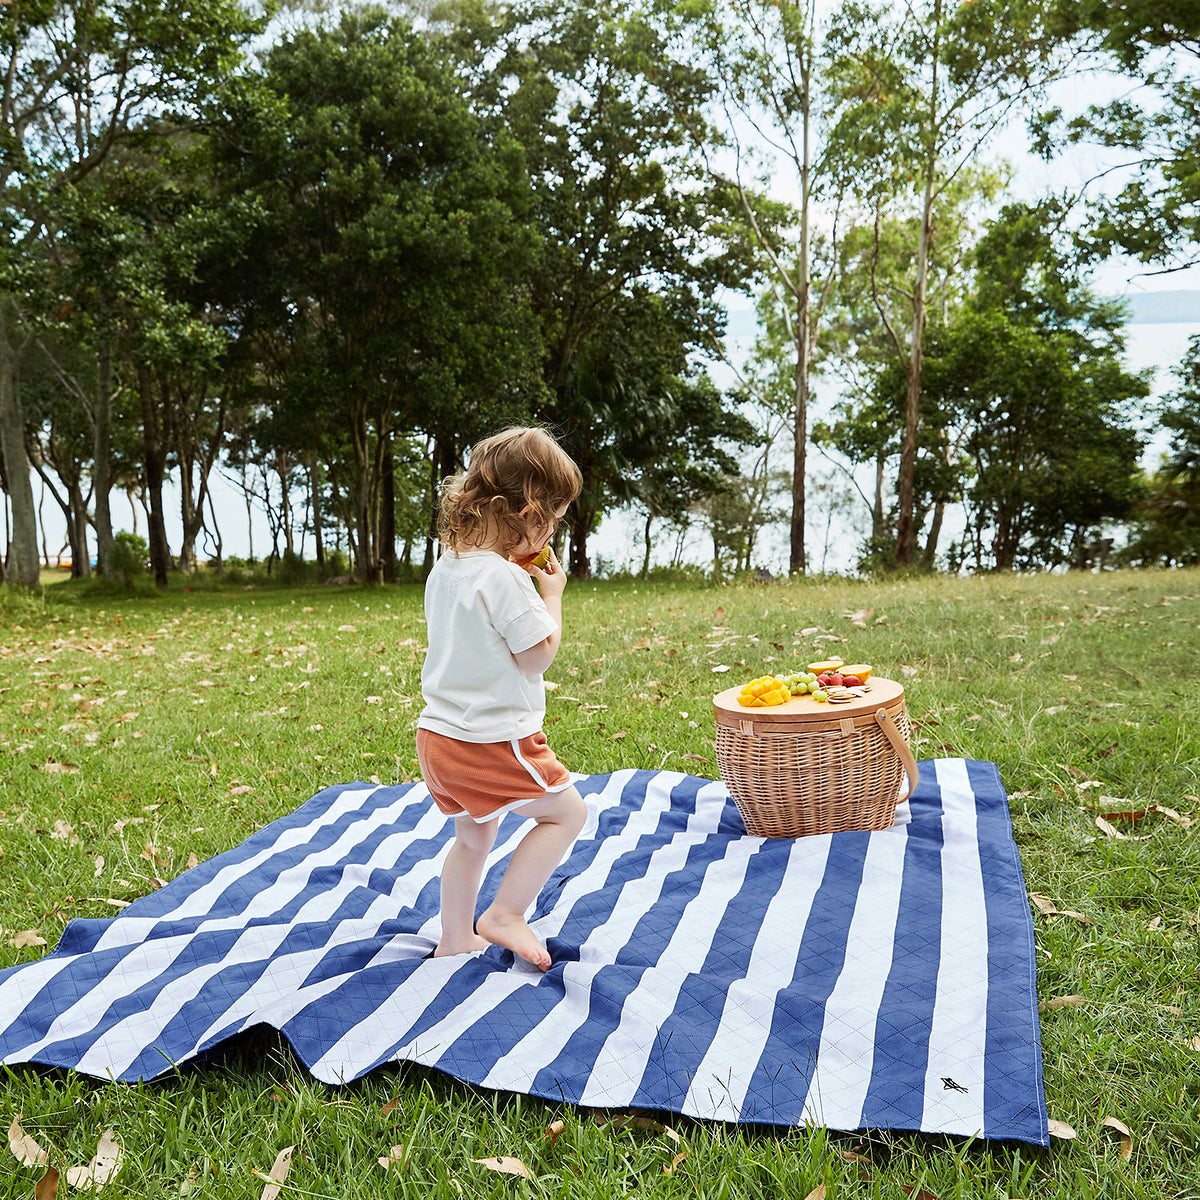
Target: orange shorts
(482, 780)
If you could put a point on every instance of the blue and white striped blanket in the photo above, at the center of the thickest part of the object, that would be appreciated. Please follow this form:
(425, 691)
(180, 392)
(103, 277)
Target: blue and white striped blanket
(856, 980)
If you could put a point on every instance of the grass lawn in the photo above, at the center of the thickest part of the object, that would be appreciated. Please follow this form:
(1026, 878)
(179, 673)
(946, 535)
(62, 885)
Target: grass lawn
(140, 733)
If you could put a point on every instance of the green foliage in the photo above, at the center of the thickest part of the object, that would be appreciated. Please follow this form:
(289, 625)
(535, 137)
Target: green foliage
(1154, 212)
(392, 241)
(130, 558)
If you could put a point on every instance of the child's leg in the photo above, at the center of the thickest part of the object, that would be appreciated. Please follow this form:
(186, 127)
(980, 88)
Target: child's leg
(461, 877)
(560, 817)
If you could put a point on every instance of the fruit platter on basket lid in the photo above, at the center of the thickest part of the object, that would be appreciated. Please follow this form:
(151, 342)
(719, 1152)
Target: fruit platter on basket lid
(827, 682)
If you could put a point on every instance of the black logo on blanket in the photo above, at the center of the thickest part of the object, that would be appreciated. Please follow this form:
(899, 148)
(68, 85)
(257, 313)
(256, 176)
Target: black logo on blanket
(948, 1085)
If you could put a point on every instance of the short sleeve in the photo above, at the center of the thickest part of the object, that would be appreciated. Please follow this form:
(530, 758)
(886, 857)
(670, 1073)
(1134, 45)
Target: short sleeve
(517, 611)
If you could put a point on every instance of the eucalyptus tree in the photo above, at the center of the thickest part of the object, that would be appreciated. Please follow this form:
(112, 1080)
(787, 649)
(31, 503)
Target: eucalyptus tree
(868, 306)
(625, 283)
(1149, 207)
(128, 247)
(81, 76)
(921, 91)
(748, 78)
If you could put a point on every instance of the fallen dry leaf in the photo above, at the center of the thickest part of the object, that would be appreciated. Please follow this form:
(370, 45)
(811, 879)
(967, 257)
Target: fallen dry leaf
(1075, 916)
(1043, 903)
(277, 1174)
(46, 1188)
(104, 1165)
(1126, 1136)
(818, 1193)
(917, 1193)
(1060, 1129)
(1061, 1002)
(99, 866)
(505, 1165)
(241, 790)
(554, 1129)
(395, 1159)
(1194, 1044)
(58, 768)
(1171, 815)
(647, 1123)
(852, 1156)
(63, 831)
(390, 1107)
(669, 1168)
(26, 937)
(1110, 830)
(1125, 814)
(28, 1152)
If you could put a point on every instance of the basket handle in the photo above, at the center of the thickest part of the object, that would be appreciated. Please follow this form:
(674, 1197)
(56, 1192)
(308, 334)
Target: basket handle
(900, 746)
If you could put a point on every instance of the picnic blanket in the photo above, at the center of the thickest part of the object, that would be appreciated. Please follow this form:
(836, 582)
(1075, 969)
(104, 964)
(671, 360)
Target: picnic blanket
(877, 980)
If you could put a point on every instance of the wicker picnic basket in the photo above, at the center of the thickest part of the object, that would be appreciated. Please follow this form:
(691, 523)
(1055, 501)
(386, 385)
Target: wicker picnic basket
(803, 767)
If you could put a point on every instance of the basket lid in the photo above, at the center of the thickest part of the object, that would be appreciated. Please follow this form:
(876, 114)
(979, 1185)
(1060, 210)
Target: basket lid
(801, 709)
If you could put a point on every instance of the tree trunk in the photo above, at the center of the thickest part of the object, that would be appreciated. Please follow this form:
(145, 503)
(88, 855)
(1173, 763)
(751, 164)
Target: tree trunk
(359, 491)
(102, 458)
(441, 465)
(191, 514)
(23, 566)
(219, 557)
(646, 541)
(81, 561)
(580, 518)
(283, 468)
(877, 529)
(314, 488)
(935, 531)
(387, 512)
(906, 529)
(797, 563)
(160, 554)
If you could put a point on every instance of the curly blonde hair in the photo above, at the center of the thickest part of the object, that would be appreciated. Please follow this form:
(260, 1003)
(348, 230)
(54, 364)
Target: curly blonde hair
(514, 477)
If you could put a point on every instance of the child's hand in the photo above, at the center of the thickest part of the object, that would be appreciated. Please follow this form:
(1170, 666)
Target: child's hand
(551, 579)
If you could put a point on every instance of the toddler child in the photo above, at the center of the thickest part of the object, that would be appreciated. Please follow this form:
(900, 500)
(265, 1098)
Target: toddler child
(491, 636)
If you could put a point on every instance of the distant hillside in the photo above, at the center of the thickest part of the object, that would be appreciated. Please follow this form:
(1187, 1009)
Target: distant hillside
(1151, 308)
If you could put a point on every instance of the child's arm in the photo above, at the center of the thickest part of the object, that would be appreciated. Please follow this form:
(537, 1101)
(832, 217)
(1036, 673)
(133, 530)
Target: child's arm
(552, 580)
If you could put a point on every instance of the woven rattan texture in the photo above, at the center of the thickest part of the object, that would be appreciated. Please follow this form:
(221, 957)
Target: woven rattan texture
(821, 777)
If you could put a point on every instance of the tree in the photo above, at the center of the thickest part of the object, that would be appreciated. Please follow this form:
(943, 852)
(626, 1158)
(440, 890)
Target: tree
(81, 76)
(864, 355)
(688, 458)
(1036, 355)
(625, 282)
(1154, 213)
(921, 91)
(753, 69)
(392, 243)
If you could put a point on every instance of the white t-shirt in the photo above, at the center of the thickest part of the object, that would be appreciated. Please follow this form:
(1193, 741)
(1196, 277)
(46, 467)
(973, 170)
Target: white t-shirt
(480, 610)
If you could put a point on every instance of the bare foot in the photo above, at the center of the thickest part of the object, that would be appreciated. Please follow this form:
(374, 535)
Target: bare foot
(509, 930)
(447, 949)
